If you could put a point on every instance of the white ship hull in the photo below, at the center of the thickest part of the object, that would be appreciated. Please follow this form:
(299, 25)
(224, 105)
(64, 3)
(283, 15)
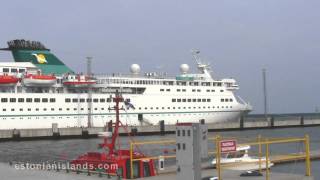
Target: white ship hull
(26, 115)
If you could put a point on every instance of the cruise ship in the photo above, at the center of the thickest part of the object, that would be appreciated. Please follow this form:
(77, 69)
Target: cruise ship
(39, 90)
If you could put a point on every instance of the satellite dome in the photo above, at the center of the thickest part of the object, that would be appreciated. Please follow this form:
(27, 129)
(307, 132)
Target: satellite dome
(135, 69)
(184, 68)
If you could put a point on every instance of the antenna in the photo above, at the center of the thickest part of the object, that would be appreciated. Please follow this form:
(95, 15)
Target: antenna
(89, 74)
(195, 55)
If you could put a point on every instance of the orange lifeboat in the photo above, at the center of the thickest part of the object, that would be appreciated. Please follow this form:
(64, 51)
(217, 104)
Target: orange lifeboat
(8, 80)
(39, 80)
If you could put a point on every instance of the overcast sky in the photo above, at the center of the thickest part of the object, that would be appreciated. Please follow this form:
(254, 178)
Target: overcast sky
(237, 37)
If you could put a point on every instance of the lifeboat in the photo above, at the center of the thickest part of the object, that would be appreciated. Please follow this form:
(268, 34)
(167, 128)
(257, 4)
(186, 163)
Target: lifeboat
(39, 80)
(78, 80)
(8, 80)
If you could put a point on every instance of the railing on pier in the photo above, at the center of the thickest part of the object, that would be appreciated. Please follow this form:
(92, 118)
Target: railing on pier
(165, 149)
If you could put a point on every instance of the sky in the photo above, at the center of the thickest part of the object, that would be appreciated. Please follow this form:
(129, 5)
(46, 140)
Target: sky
(237, 37)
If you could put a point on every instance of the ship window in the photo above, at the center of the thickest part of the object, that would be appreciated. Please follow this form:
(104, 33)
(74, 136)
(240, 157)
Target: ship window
(95, 100)
(74, 109)
(231, 100)
(189, 133)
(108, 99)
(82, 100)
(52, 109)
(95, 109)
(20, 100)
(189, 100)
(208, 90)
(178, 132)
(14, 70)
(222, 100)
(60, 109)
(37, 109)
(194, 100)
(4, 99)
(81, 109)
(168, 107)
(145, 108)
(199, 100)
(198, 90)
(178, 100)
(21, 109)
(12, 109)
(183, 132)
(227, 100)
(75, 100)
(67, 100)
(183, 90)
(178, 90)
(3, 109)
(29, 99)
(178, 145)
(22, 70)
(29, 109)
(184, 100)
(208, 100)
(212, 90)
(102, 100)
(68, 109)
(89, 100)
(174, 100)
(5, 70)
(193, 90)
(12, 99)
(102, 109)
(161, 89)
(219, 84)
(204, 100)
(44, 109)
(221, 90)
(168, 90)
(52, 100)
(44, 99)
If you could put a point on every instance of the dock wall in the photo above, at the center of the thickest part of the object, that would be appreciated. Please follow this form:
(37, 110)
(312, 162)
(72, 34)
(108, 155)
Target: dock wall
(81, 132)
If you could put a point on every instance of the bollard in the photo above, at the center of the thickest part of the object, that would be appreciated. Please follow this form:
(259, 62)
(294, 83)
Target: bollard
(85, 133)
(134, 131)
(272, 122)
(110, 126)
(55, 131)
(302, 121)
(202, 121)
(162, 128)
(16, 134)
(89, 173)
(241, 122)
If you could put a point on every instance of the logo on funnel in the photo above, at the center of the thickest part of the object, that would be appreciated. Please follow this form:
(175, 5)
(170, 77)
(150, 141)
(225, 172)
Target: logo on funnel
(40, 58)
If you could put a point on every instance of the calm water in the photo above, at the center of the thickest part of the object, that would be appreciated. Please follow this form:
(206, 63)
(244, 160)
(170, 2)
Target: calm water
(49, 150)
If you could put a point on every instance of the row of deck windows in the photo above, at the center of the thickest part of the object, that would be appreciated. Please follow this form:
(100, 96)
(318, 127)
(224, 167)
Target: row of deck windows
(102, 109)
(194, 107)
(191, 100)
(193, 90)
(227, 100)
(52, 109)
(95, 100)
(28, 100)
(155, 82)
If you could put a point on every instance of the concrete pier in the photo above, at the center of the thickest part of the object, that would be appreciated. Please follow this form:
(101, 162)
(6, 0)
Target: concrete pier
(81, 132)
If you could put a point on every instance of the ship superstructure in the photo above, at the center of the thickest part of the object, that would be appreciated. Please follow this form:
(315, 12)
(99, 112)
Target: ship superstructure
(38, 90)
